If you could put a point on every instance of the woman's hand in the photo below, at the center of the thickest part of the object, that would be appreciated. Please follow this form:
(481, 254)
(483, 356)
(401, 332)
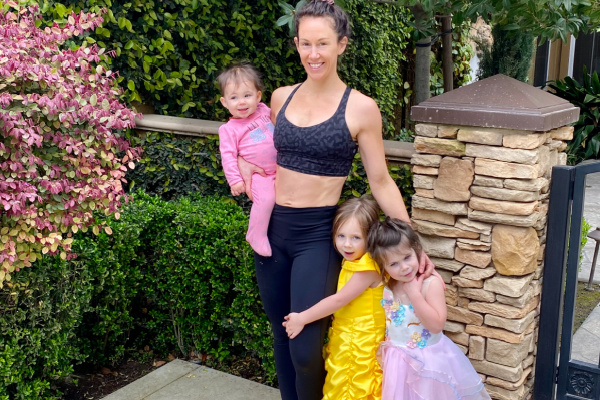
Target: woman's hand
(427, 268)
(247, 170)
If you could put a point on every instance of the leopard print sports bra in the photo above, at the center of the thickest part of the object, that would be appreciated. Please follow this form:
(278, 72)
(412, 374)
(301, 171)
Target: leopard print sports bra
(325, 149)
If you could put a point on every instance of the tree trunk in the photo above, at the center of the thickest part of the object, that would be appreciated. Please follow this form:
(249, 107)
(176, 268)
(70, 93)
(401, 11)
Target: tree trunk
(422, 57)
(447, 62)
(422, 68)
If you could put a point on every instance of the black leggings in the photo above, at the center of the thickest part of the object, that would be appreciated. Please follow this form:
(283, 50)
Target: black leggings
(303, 269)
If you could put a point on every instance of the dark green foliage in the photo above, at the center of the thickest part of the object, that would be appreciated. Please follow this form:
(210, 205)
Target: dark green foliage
(586, 136)
(39, 311)
(373, 61)
(461, 54)
(357, 183)
(169, 53)
(174, 166)
(510, 54)
(177, 276)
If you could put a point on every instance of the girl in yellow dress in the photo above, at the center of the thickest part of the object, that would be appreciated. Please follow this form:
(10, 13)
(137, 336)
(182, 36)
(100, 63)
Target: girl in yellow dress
(353, 372)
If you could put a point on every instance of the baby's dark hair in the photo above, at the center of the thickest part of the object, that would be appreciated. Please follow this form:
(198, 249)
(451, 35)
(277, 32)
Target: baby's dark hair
(387, 234)
(364, 209)
(321, 8)
(239, 72)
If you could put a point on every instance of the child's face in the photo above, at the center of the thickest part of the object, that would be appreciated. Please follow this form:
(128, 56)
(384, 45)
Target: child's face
(241, 99)
(401, 263)
(350, 240)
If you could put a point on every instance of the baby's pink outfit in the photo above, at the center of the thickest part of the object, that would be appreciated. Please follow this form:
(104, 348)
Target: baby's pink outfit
(252, 138)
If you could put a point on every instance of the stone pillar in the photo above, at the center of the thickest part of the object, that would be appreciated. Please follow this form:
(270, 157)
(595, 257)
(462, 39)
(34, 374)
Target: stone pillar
(480, 207)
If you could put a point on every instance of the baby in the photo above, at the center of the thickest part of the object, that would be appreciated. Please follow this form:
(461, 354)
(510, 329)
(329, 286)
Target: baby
(249, 134)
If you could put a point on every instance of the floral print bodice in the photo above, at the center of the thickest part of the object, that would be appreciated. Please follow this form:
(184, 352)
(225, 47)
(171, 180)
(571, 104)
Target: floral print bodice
(402, 327)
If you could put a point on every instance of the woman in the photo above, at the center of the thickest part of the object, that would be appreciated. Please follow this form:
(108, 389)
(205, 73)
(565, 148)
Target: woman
(319, 125)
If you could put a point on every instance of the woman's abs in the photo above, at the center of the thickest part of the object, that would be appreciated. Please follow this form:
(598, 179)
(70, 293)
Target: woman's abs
(295, 189)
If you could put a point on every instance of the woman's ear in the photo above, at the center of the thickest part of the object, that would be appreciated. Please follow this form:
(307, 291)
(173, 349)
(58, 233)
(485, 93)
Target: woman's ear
(342, 45)
(296, 42)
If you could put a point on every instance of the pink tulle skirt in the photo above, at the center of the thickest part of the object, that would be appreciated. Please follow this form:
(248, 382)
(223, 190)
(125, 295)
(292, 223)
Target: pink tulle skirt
(437, 372)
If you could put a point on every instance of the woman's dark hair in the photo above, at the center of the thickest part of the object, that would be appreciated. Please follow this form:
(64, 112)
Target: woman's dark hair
(240, 72)
(387, 234)
(320, 8)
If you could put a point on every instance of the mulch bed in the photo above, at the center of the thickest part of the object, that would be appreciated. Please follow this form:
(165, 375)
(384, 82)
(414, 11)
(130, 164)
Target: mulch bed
(94, 386)
(105, 381)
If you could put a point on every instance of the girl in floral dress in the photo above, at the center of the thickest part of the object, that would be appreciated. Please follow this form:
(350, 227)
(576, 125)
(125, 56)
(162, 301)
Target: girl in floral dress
(419, 362)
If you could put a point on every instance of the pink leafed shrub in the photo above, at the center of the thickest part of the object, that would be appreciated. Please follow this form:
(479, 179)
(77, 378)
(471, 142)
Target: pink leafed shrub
(62, 151)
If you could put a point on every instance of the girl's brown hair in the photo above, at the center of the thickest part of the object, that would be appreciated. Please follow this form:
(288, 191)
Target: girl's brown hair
(240, 72)
(364, 209)
(387, 234)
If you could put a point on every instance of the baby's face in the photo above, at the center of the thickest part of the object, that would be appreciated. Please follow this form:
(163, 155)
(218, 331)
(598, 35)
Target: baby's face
(241, 99)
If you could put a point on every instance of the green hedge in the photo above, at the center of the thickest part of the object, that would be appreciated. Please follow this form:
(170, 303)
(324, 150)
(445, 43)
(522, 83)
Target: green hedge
(173, 166)
(177, 276)
(39, 313)
(168, 53)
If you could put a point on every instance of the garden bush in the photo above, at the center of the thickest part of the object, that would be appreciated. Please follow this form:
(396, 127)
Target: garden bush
(586, 136)
(62, 152)
(177, 276)
(40, 309)
(510, 54)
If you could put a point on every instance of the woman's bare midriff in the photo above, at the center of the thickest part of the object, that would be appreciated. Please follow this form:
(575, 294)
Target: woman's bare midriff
(298, 190)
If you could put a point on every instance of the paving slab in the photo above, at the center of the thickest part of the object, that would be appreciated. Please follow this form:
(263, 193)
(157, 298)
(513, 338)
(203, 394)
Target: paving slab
(591, 213)
(182, 380)
(586, 341)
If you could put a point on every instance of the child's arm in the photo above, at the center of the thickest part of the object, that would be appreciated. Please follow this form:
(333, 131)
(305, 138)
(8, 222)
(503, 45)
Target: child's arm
(360, 281)
(430, 307)
(229, 153)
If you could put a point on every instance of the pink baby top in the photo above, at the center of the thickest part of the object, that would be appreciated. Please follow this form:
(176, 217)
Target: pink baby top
(251, 138)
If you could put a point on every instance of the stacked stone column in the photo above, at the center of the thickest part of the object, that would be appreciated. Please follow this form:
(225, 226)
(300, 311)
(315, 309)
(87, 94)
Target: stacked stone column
(480, 207)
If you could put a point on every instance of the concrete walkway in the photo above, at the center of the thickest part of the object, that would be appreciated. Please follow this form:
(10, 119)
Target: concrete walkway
(591, 213)
(182, 380)
(586, 341)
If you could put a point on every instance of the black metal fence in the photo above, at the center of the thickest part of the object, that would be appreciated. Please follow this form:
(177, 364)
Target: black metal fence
(557, 376)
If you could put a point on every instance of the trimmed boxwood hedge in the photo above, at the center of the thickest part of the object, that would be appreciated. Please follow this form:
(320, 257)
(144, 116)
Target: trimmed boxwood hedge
(177, 276)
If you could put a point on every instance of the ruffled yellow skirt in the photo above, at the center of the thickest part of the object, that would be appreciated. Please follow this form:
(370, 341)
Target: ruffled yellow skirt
(353, 372)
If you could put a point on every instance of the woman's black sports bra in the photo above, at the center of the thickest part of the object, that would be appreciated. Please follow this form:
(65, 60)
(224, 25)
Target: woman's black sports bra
(325, 149)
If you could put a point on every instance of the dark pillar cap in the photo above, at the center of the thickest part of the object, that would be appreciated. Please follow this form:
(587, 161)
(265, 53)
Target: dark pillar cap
(497, 102)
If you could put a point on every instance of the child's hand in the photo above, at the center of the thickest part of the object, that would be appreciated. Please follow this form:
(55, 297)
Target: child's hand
(413, 288)
(293, 324)
(238, 188)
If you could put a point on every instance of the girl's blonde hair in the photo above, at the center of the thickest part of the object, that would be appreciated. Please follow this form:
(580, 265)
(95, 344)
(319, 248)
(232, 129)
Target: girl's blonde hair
(387, 234)
(364, 209)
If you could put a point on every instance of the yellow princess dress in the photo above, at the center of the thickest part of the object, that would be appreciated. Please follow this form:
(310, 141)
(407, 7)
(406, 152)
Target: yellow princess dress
(353, 372)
